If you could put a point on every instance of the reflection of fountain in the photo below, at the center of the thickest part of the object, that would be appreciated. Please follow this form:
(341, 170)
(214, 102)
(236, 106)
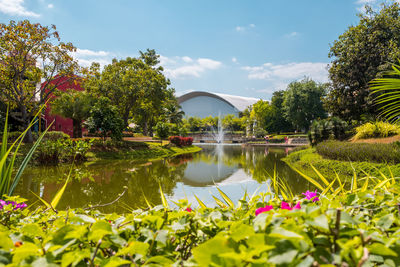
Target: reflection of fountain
(219, 152)
(219, 134)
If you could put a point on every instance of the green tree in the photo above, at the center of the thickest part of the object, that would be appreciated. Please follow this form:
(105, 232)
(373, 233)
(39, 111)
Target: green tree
(104, 118)
(173, 112)
(277, 122)
(303, 103)
(29, 55)
(119, 81)
(358, 56)
(74, 105)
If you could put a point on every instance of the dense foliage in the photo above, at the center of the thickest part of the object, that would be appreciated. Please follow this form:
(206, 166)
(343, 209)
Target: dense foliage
(330, 128)
(74, 105)
(376, 129)
(104, 119)
(353, 229)
(346, 151)
(23, 46)
(303, 103)
(359, 54)
(62, 150)
(138, 89)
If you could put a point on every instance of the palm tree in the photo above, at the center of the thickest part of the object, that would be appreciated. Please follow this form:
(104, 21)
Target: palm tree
(74, 105)
(174, 113)
(386, 93)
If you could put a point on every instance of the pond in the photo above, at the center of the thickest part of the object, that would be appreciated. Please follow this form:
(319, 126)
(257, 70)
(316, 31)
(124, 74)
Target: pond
(234, 169)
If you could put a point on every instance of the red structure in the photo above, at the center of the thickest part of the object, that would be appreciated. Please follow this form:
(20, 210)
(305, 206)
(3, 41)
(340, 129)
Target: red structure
(60, 123)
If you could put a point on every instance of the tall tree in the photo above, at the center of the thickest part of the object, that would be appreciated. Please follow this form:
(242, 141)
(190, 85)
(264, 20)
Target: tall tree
(74, 105)
(303, 103)
(119, 81)
(31, 54)
(277, 121)
(358, 56)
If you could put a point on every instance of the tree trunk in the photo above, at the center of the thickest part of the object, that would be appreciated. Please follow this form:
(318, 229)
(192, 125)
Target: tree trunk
(26, 121)
(145, 128)
(77, 129)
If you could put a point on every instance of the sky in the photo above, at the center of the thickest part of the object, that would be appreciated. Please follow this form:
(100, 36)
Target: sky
(247, 48)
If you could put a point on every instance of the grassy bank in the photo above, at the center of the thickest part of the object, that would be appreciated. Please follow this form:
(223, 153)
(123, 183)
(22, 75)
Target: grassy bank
(302, 159)
(140, 151)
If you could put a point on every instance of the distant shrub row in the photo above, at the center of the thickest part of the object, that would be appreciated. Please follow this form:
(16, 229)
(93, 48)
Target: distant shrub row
(53, 136)
(376, 130)
(346, 151)
(181, 141)
(330, 128)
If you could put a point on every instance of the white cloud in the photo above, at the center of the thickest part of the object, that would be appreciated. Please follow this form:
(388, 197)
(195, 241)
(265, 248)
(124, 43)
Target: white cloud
(183, 67)
(282, 74)
(16, 7)
(50, 6)
(244, 28)
(187, 59)
(234, 60)
(90, 53)
(292, 35)
(86, 57)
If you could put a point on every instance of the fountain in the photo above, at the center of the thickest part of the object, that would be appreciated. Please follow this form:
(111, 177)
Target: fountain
(219, 134)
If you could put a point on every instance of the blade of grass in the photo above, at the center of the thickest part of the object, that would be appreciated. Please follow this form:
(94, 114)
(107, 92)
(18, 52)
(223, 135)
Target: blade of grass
(219, 202)
(226, 198)
(320, 176)
(328, 188)
(308, 178)
(57, 197)
(163, 199)
(200, 202)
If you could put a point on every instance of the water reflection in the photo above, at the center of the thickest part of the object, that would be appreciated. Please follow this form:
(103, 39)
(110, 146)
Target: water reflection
(232, 167)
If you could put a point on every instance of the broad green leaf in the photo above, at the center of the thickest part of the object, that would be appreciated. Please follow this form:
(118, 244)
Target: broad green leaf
(381, 249)
(99, 230)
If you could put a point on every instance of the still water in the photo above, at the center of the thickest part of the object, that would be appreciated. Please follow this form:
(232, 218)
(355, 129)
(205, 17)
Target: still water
(232, 168)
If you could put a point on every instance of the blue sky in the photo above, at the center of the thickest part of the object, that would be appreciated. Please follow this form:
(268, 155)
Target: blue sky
(247, 48)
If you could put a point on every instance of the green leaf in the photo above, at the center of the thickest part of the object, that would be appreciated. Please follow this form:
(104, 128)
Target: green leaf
(386, 221)
(283, 258)
(115, 262)
(380, 249)
(241, 231)
(320, 222)
(5, 241)
(32, 230)
(283, 233)
(73, 258)
(207, 253)
(134, 247)
(99, 230)
(164, 261)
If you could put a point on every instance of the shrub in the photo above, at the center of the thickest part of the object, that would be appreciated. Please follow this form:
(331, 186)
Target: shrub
(67, 150)
(13, 136)
(376, 130)
(55, 135)
(331, 128)
(162, 130)
(181, 141)
(345, 151)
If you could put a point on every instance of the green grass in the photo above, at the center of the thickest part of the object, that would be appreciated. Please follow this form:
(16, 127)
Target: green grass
(152, 152)
(302, 159)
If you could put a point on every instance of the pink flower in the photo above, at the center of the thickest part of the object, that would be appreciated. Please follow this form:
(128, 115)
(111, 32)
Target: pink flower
(286, 206)
(189, 209)
(309, 195)
(264, 209)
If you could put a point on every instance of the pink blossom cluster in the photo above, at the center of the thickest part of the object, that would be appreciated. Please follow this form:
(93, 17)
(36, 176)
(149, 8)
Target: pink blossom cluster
(17, 206)
(286, 206)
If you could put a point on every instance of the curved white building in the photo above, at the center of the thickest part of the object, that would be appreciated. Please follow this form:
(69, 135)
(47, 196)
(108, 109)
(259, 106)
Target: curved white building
(203, 104)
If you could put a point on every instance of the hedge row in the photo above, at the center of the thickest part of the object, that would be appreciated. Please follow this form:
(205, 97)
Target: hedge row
(181, 141)
(346, 151)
